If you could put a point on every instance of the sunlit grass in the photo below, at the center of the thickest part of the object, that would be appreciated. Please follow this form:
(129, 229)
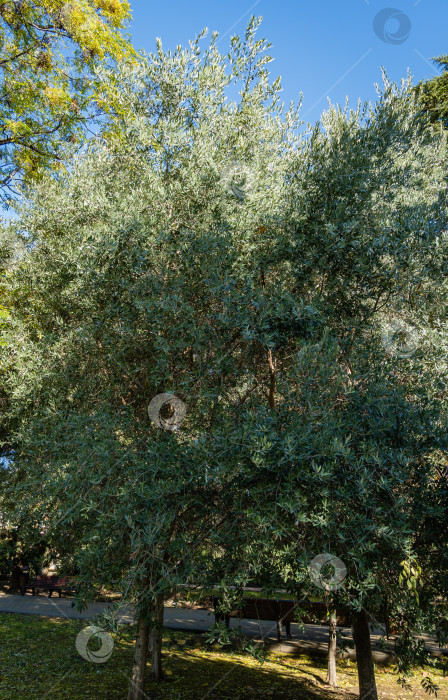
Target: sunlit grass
(38, 660)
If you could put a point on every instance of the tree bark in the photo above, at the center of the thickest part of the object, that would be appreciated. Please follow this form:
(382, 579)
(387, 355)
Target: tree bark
(364, 658)
(271, 396)
(386, 617)
(155, 640)
(331, 669)
(137, 683)
(14, 583)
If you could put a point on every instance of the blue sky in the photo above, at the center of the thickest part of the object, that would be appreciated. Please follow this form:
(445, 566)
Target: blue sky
(321, 47)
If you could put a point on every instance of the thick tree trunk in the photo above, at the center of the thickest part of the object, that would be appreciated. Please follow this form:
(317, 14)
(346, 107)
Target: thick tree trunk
(137, 683)
(331, 669)
(155, 641)
(364, 658)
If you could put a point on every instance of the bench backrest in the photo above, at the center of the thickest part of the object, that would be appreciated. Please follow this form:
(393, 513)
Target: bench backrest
(53, 581)
(285, 610)
(46, 579)
(260, 608)
(288, 610)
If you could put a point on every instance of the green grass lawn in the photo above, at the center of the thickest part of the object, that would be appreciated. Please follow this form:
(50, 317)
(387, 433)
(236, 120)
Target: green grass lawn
(39, 660)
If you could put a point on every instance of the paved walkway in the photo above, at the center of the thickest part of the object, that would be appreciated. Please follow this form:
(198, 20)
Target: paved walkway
(175, 618)
(313, 638)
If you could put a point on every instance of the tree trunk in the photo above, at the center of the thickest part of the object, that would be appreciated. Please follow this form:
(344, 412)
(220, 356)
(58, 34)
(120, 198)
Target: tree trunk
(14, 584)
(331, 669)
(137, 683)
(364, 658)
(155, 641)
(386, 617)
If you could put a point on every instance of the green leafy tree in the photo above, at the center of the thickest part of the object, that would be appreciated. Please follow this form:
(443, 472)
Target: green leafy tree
(348, 460)
(49, 91)
(433, 94)
(207, 250)
(140, 306)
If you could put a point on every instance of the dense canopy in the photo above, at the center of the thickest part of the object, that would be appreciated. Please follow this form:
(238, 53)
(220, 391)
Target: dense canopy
(289, 288)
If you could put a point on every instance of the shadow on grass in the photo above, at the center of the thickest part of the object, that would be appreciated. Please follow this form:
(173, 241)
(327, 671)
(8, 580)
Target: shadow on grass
(218, 675)
(39, 660)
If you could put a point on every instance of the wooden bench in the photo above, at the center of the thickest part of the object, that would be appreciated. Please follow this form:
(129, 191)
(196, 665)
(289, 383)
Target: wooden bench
(282, 612)
(50, 583)
(279, 611)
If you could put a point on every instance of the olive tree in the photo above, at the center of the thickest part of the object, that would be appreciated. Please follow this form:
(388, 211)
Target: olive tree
(207, 260)
(347, 453)
(132, 289)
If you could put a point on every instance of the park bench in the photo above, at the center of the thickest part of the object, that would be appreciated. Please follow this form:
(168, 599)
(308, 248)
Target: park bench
(279, 611)
(316, 614)
(282, 612)
(50, 583)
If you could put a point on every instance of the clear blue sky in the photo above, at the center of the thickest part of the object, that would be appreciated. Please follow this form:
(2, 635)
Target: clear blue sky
(321, 47)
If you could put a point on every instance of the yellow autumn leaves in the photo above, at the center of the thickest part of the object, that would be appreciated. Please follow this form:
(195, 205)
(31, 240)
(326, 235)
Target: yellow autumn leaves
(91, 30)
(49, 53)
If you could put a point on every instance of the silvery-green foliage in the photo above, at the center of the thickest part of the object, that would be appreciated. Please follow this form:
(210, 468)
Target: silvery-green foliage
(139, 271)
(370, 196)
(209, 249)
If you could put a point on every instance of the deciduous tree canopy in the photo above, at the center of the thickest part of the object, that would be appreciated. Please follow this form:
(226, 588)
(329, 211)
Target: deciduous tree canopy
(49, 50)
(434, 93)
